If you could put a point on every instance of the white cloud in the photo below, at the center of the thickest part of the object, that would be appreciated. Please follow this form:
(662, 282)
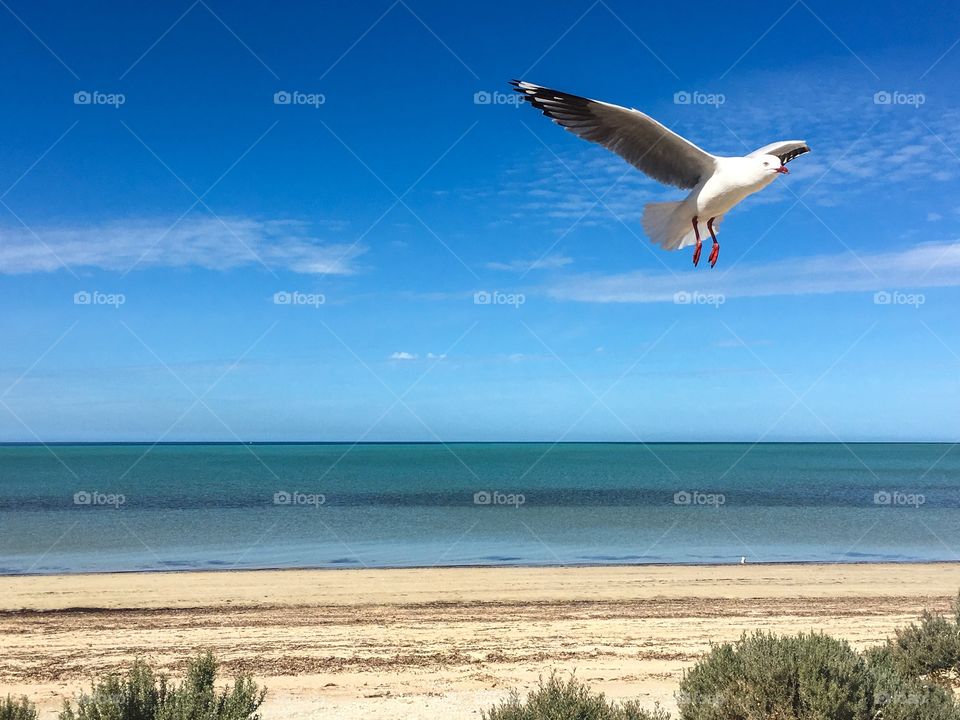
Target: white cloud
(203, 242)
(401, 355)
(924, 265)
(548, 262)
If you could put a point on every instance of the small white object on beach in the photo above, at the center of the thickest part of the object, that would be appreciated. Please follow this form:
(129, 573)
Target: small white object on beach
(716, 183)
(743, 559)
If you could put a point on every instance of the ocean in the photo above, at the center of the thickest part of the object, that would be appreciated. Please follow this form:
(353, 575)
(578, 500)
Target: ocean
(129, 507)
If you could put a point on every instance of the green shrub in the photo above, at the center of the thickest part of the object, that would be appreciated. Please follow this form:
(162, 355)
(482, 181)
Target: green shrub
(804, 677)
(570, 700)
(930, 649)
(142, 694)
(21, 709)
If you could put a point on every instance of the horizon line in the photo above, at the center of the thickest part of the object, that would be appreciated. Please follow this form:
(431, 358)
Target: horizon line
(240, 443)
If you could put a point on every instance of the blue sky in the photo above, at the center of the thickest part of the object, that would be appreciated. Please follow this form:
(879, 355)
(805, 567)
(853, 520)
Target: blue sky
(149, 237)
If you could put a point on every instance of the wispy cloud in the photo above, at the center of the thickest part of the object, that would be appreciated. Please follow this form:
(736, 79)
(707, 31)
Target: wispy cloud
(203, 242)
(924, 265)
(403, 355)
(548, 262)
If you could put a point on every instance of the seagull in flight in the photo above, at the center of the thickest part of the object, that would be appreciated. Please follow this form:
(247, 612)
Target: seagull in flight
(716, 183)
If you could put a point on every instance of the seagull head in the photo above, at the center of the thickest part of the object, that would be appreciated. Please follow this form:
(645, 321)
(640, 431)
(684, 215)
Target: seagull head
(773, 164)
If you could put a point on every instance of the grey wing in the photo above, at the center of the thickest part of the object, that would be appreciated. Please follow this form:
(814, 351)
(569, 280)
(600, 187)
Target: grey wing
(786, 150)
(637, 138)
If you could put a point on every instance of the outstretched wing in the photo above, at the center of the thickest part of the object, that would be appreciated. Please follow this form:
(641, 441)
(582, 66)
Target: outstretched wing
(637, 138)
(786, 150)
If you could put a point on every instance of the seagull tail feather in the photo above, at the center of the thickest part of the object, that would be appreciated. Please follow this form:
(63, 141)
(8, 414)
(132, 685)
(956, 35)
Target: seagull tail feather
(665, 226)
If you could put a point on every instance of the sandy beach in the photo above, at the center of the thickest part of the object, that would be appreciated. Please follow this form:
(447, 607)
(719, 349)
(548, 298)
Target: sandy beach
(425, 643)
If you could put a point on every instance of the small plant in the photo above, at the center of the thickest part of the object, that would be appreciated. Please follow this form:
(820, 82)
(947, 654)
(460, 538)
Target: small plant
(142, 694)
(569, 700)
(20, 709)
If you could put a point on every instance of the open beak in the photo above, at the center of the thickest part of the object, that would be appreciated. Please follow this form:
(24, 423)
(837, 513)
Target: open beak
(783, 170)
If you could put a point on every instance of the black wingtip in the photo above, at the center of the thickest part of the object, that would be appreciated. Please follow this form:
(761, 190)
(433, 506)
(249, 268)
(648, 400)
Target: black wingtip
(797, 152)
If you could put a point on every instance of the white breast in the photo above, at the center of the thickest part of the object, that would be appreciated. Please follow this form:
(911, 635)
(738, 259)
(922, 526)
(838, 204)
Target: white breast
(734, 180)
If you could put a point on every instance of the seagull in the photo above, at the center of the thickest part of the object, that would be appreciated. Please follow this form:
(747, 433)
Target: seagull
(716, 183)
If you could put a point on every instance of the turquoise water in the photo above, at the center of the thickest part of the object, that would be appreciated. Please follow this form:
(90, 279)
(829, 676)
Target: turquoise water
(82, 508)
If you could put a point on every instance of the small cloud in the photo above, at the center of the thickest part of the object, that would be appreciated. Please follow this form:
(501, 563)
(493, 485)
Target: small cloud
(548, 262)
(223, 243)
(599, 349)
(934, 217)
(401, 355)
(432, 356)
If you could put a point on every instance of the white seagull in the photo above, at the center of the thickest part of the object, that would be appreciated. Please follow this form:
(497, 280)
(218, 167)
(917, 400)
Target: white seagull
(716, 183)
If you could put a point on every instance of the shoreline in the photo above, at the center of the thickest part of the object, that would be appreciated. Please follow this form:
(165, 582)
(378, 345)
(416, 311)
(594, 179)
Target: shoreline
(474, 566)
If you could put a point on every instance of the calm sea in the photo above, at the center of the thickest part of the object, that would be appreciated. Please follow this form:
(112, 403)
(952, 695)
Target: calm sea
(82, 508)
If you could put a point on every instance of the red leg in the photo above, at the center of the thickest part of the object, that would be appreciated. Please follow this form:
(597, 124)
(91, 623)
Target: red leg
(699, 247)
(715, 252)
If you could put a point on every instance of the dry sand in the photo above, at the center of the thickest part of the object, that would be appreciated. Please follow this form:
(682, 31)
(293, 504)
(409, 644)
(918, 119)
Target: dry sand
(385, 644)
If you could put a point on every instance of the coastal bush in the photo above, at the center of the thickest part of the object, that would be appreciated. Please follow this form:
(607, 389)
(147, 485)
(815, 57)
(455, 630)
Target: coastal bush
(929, 649)
(556, 699)
(19, 709)
(805, 677)
(142, 694)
